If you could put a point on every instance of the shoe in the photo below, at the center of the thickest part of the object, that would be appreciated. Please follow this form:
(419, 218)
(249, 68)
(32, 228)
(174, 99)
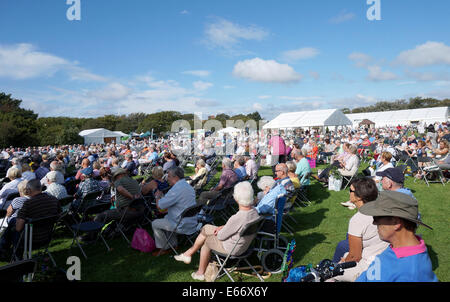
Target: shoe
(197, 277)
(162, 252)
(183, 258)
(347, 204)
(352, 207)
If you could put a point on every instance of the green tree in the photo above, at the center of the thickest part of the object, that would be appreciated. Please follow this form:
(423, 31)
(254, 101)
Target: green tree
(17, 125)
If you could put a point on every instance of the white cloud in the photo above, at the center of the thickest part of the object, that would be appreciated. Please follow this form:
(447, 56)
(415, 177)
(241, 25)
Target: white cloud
(225, 34)
(342, 17)
(200, 85)
(360, 59)
(430, 53)
(257, 106)
(114, 91)
(427, 76)
(22, 61)
(198, 73)
(264, 97)
(228, 87)
(377, 75)
(300, 54)
(268, 71)
(185, 12)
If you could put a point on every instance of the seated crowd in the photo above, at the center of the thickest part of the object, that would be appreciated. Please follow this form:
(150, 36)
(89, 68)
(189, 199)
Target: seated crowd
(385, 222)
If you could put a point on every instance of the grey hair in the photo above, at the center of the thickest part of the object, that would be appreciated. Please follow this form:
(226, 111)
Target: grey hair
(353, 149)
(14, 173)
(226, 162)
(176, 171)
(291, 166)
(243, 193)
(265, 181)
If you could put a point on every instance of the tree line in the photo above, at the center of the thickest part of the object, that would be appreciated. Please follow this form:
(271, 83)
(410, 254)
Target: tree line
(22, 127)
(412, 103)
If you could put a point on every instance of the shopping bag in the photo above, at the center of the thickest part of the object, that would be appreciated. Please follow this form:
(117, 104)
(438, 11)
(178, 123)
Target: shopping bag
(142, 241)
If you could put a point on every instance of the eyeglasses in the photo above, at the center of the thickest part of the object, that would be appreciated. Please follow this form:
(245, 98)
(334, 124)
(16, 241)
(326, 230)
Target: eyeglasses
(352, 191)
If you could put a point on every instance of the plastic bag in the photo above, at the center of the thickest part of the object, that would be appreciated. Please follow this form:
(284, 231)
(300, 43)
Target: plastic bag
(142, 241)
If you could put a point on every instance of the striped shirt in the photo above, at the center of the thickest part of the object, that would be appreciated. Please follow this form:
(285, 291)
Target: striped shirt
(39, 206)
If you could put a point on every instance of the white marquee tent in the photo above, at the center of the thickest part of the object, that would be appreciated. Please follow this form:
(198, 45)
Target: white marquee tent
(99, 136)
(308, 119)
(402, 117)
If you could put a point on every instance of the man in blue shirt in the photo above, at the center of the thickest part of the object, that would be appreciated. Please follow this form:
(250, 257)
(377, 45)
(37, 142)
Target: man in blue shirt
(393, 180)
(406, 259)
(180, 197)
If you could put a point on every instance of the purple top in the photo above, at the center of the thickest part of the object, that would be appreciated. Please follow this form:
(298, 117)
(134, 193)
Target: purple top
(278, 146)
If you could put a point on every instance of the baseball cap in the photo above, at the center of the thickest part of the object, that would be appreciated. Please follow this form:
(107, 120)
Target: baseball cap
(394, 204)
(394, 174)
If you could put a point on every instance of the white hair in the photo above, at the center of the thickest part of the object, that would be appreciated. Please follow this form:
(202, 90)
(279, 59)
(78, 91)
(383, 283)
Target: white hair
(265, 181)
(243, 193)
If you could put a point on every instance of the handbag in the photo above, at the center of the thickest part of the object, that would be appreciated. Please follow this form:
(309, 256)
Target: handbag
(142, 241)
(211, 271)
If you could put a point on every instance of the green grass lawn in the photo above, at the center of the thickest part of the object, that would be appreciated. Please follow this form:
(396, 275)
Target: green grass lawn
(320, 227)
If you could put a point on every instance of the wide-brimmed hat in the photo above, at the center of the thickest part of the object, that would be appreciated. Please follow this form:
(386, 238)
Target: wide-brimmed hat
(119, 172)
(394, 204)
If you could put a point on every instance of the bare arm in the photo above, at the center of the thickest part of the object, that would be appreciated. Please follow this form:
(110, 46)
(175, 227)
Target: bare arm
(355, 249)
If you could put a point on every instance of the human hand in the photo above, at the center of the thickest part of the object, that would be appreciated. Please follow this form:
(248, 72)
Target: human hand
(217, 230)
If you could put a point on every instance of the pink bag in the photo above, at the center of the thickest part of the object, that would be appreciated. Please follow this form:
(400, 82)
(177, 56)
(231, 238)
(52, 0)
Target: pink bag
(142, 241)
(312, 162)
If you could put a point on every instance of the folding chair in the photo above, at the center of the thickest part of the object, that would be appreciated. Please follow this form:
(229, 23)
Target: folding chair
(433, 169)
(85, 226)
(348, 179)
(28, 243)
(17, 270)
(250, 230)
(189, 212)
(123, 223)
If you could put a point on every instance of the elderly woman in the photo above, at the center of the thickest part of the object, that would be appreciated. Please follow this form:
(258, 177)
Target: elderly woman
(157, 183)
(350, 166)
(363, 242)
(200, 174)
(224, 238)
(265, 183)
(385, 158)
(15, 175)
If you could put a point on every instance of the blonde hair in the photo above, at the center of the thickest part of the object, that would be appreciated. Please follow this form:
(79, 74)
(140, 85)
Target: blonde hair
(157, 172)
(22, 187)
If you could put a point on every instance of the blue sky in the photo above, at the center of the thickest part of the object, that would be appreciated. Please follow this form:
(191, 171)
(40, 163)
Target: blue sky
(221, 56)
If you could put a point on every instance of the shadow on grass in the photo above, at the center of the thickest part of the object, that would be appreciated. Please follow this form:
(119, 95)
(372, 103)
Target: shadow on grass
(317, 193)
(309, 220)
(433, 257)
(305, 243)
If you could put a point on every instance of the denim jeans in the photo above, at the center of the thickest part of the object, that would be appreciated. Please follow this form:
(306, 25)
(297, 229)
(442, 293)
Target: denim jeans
(341, 249)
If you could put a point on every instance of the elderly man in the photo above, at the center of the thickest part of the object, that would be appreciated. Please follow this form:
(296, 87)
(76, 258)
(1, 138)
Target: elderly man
(303, 167)
(85, 163)
(127, 190)
(283, 188)
(393, 180)
(180, 197)
(53, 187)
(406, 259)
(56, 167)
(239, 168)
(227, 180)
(39, 205)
